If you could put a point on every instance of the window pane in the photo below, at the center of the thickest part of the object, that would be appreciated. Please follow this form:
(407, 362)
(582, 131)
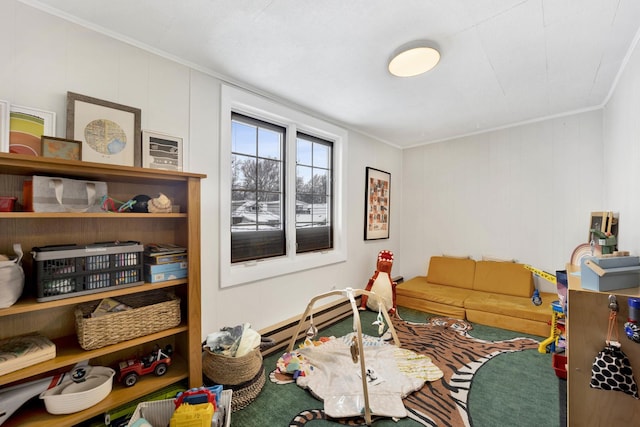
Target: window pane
(244, 214)
(320, 181)
(269, 144)
(321, 156)
(303, 152)
(270, 211)
(243, 172)
(243, 138)
(269, 175)
(303, 181)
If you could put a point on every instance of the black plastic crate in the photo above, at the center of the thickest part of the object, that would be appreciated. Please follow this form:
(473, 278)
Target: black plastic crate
(71, 270)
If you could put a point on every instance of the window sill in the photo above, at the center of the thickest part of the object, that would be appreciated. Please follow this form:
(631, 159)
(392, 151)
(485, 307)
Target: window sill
(253, 271)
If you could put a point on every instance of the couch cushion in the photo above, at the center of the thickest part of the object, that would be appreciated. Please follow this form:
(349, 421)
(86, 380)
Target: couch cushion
(507, 278)
(430, 307)
(420, 288)
(533, 327)
(457, 272)
(508, 305)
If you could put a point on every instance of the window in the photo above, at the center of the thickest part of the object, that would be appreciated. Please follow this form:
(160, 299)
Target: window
(281, 190)
(313, 194)
(257, 195)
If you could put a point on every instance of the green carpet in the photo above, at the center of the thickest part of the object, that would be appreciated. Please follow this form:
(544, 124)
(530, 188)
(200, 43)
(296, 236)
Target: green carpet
(518, 389)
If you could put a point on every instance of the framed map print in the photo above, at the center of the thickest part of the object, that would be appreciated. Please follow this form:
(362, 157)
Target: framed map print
(110, 132)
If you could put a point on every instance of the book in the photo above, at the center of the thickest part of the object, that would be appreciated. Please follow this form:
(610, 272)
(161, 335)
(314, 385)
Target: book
(157, 249)
(161, 268)
(24, 350)
(165, 259)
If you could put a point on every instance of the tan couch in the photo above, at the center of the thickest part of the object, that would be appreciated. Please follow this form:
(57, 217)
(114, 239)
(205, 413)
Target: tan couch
(491, 293)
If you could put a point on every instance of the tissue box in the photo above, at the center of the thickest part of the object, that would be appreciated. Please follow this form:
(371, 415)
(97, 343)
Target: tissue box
(616, 273)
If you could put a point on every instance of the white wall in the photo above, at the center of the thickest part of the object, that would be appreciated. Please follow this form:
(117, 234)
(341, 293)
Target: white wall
(622, 154)
(43, 57)
(523, 193)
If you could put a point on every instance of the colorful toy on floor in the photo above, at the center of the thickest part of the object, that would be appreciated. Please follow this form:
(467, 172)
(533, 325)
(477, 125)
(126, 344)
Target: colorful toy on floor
(535, 298)
(556, 339)
(382, 284)
(293, 363)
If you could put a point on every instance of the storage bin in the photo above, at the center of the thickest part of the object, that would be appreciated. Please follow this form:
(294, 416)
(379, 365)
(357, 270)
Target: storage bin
(158, 412)
(150, 312)
(67, 271)
(559, 362)
(227, 370)
(617, 273)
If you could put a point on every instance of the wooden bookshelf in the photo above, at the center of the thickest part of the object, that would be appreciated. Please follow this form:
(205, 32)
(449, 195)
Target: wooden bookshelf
(55, 319)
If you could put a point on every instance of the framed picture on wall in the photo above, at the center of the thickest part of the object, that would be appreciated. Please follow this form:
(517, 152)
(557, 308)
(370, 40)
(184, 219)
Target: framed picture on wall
(161, 151)
(377, 204)
(109, 132)
(61, 148)
(26, 126)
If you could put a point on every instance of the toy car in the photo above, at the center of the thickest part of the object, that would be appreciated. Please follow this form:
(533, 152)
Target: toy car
(157, 362)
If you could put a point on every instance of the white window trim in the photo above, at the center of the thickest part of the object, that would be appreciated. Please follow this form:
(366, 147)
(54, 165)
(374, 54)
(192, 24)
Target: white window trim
(239, 101)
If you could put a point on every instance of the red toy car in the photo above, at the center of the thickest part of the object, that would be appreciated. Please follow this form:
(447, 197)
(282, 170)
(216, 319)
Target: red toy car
(157, 362)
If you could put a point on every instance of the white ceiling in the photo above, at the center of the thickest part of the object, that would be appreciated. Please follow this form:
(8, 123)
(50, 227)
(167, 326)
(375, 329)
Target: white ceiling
(503, 61)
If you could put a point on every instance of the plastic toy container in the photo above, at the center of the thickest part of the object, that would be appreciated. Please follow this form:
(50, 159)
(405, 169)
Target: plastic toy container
(158, 412)
(67, 271)
(559, 362)
(73, 396)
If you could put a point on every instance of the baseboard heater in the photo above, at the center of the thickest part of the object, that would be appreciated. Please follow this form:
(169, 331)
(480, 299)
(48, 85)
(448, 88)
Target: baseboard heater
(326, 315)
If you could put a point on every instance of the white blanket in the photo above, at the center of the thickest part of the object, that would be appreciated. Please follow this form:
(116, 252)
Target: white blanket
(392, 374)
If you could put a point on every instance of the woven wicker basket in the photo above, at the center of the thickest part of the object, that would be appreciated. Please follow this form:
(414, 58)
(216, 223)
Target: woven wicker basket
(150, 312)
(244, 394)
(227, 370)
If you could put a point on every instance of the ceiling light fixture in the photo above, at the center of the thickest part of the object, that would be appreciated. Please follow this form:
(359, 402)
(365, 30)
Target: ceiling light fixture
(413, 59)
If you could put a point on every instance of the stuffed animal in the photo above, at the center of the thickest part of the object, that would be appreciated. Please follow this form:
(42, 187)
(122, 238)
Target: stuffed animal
(382, 285)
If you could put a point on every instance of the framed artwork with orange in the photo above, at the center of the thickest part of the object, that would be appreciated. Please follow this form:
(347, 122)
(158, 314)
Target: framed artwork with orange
(26, 128)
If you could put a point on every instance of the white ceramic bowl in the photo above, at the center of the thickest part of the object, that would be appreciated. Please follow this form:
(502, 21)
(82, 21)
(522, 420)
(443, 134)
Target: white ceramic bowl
(72, 396)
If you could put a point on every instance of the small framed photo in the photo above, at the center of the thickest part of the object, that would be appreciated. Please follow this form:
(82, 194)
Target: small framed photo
(26, 127)
(377, 204)
(61, 148)
(161, 151)
(110, 132)
(4, 126)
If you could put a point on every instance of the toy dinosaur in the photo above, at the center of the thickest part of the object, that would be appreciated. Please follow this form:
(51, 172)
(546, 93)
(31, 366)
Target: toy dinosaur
(382, 284)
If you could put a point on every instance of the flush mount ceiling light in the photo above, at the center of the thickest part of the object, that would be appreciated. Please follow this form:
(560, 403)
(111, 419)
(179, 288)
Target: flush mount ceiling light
(414, 59)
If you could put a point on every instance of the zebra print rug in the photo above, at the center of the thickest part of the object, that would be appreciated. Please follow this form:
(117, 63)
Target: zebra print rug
(459, 355)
